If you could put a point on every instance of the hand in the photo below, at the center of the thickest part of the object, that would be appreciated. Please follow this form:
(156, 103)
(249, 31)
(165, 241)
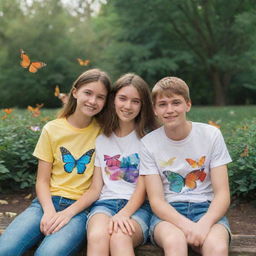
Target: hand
(58, 220)
(123, 222)
(45, 221)
(196, 233)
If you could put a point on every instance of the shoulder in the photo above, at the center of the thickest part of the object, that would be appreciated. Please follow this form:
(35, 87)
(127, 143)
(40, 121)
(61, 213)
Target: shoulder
(206, 129)
(59, 122)
(153, 136)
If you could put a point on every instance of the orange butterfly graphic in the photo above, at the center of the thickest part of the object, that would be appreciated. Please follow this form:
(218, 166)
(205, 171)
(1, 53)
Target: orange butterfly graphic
(83, 62)
(26, 63)
(195, 164)
(62, 96)
(213, 124)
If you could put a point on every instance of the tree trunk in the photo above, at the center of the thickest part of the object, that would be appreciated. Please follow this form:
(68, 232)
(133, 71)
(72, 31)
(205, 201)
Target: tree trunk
(219, 88)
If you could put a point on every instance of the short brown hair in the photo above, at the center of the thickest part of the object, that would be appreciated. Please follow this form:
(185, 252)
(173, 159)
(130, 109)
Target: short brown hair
(170, 85)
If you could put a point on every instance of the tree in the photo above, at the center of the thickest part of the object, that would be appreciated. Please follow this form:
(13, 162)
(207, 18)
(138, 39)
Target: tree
(188, 37)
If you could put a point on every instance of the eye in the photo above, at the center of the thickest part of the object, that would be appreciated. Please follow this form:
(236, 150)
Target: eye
(176, 103)
(88, 92)
(136, 102)
(161, 104)
(121, 98)
(101, 97)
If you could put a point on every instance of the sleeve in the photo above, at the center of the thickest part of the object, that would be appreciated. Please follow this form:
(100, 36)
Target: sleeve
(147, 163)
(97, 154)
(220, 154)
(43, 149)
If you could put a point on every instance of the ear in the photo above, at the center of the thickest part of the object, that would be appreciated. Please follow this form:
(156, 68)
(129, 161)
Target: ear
(189, 104)
(154, 109)
(74, 93)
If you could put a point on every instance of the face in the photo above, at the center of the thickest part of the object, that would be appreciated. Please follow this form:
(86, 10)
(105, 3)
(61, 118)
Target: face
(91, 98)
(127, 104)
(171, 110)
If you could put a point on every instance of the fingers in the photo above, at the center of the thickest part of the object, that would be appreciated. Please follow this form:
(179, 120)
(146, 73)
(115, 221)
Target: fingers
(124, 224)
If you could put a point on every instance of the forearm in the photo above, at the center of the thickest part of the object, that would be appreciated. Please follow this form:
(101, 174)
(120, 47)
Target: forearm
(167, 213)
(83, 202)
(44, 196)
(136, 200)
(217, 209)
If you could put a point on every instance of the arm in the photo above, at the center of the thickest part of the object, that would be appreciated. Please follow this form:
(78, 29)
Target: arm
(162, 208)
(122, 218)
(61, 218)
(43, 192)
(219, 204)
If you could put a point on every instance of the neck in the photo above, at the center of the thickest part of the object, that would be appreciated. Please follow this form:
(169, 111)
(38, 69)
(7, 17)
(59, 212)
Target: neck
(179, 133)
(124, 129)
(79, 121)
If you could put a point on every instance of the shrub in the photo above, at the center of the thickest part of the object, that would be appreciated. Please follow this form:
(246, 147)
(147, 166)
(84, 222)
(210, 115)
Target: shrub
(19, 135)
(241, 142)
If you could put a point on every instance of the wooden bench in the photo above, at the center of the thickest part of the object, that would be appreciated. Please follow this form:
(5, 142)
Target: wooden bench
(241, 245)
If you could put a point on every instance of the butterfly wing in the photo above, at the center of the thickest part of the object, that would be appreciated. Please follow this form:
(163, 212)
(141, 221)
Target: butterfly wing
(68, 159)
(167, 163)
(129, 165)
(25, 61)
(35, 66)
(201, 161)
(83, 161)
(191, 162)
(176, 181)
(192, 177)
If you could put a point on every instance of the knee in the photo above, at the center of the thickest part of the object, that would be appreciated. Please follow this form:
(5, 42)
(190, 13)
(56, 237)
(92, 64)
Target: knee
(97, 236)
(220, 249)
(119, 239)
(174, 242)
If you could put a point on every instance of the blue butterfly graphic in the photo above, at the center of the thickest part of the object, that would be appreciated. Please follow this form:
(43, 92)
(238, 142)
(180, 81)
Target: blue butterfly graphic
(71, 162)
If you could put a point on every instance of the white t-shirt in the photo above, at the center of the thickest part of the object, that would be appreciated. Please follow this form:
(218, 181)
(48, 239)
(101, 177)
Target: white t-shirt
(119, 161)
(184, 166)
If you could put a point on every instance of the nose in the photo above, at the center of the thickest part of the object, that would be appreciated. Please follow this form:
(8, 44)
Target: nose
(127, 104)
(169, 108)
(92, 100)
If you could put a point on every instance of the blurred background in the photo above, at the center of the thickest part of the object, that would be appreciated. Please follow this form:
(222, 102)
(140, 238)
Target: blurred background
(208, 43)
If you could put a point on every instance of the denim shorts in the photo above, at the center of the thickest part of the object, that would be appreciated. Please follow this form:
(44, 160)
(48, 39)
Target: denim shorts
(192, 211)
(111, 207)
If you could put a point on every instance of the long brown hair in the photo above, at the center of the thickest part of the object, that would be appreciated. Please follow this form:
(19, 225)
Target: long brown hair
(89, 76)
(145, 121)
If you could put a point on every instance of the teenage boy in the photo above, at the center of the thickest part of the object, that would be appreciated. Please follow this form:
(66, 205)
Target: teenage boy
(186, 177)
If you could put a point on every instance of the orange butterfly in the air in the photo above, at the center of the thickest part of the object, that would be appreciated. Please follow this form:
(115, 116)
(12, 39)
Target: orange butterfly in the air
(26, 63)
(62, 96)
(83, 62)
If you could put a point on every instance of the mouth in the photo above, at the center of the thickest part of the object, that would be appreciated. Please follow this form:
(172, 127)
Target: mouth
(91, 108)
(126, 113)
(170, 118)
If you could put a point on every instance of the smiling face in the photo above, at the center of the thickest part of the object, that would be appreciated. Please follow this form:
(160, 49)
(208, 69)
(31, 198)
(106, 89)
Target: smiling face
(91, 98)
(127, 104)
(171, 110)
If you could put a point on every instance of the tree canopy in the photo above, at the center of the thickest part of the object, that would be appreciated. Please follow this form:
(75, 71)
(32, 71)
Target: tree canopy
(205, 42)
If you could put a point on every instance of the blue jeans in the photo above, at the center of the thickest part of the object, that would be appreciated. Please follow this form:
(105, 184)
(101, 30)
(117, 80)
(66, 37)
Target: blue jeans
(24, 232)
(111, 207)
(192, 211)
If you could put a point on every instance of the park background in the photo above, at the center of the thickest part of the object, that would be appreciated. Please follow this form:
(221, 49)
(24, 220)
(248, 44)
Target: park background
(208, 43)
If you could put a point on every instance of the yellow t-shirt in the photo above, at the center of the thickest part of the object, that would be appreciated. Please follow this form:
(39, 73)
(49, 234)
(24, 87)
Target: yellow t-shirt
(71, 151)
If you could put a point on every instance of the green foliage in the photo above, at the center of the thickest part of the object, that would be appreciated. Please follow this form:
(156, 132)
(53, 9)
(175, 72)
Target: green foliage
(17, 142)
(238, 125)
(241, 141)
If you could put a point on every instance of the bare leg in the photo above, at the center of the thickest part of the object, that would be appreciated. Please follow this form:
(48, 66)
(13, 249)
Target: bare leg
(98, 236)
(171, 239)
(216, 242)
(123, 244)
